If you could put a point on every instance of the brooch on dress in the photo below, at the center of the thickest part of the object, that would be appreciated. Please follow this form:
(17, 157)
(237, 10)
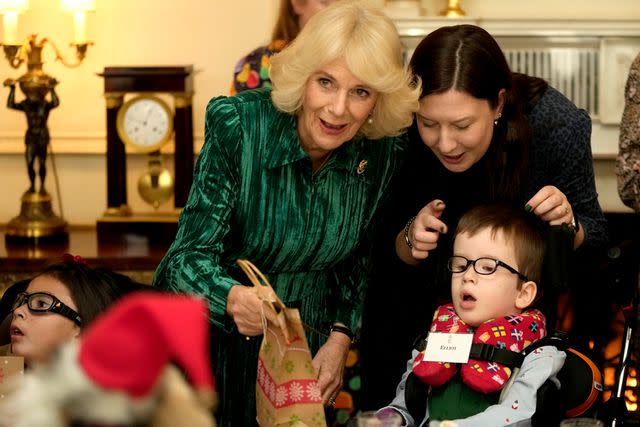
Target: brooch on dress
(361, 167)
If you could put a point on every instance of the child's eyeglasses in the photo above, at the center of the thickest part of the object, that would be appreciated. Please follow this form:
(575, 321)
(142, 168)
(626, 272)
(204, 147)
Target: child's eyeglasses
(485, 266)
(41, 302)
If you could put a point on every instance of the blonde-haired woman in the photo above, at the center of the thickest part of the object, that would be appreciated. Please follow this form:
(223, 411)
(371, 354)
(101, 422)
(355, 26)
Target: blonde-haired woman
(291, 179)
(374, 57)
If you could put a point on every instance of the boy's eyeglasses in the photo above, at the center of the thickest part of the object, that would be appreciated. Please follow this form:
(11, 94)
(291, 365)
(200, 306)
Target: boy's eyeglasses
(485, 266)
(41, 302)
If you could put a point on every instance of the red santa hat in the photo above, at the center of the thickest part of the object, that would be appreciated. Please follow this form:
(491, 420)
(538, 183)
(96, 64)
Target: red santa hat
(128, 348)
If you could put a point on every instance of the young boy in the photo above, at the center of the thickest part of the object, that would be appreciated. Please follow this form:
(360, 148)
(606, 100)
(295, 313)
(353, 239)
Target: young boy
(496, 265)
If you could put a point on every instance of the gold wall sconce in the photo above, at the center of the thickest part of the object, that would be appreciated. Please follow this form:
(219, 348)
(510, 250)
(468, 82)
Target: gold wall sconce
(36, 221)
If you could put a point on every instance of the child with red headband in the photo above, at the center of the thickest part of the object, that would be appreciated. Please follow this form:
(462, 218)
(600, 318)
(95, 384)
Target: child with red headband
(144, 362)
(58, 303)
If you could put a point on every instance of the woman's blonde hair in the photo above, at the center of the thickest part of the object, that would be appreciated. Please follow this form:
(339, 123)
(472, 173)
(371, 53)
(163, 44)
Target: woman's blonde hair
(369, 43)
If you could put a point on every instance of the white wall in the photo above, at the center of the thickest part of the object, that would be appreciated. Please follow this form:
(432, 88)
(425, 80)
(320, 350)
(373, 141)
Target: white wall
(564, 9)
(211, 35)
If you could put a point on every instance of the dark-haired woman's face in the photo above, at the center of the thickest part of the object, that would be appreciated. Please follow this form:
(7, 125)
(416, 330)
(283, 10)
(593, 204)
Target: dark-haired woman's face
(457, 127)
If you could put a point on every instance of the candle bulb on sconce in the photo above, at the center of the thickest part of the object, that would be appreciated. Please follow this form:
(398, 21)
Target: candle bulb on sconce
(79, 26)
(36, 222)
(10, 9)
(79, 8)
(10, 26)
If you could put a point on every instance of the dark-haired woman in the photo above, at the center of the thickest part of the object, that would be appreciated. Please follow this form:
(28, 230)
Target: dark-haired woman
(482, 134)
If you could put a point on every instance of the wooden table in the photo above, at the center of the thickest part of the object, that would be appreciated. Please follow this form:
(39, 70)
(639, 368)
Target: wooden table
(131, 254)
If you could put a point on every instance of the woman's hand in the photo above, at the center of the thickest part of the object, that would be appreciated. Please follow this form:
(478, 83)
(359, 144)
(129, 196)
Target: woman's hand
(552, 206)
(329, 363)
(245, 308)
(423, 233)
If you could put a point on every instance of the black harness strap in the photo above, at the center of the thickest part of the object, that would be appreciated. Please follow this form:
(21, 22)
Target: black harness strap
(494, 354)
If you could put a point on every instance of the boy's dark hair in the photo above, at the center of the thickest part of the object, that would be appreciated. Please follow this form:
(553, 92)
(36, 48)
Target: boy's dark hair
(520, 228)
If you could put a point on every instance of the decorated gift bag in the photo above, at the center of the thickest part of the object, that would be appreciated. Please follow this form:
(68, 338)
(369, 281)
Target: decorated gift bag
(287, 392)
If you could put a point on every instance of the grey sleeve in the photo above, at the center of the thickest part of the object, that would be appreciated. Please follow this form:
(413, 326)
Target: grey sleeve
(398, 403)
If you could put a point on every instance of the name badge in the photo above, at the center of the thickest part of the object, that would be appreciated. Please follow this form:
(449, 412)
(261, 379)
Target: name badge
(453, 348)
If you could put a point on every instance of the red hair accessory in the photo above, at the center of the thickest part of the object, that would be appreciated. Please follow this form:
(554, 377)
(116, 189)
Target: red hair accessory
(74, 258)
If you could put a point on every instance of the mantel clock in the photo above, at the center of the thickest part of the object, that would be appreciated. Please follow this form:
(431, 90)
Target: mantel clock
(144, 123)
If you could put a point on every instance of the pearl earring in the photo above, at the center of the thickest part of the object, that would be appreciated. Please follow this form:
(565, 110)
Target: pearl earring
(495, 122)
(370, 120)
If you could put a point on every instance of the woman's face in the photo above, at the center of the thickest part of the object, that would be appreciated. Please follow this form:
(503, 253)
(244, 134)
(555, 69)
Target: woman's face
(305, 9)
(36, 335)
(335, 105)
(457, 127)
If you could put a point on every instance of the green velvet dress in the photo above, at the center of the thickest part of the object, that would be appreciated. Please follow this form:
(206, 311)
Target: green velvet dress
(254, 196)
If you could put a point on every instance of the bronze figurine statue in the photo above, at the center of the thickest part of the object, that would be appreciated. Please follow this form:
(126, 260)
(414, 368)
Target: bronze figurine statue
(36, 222)
(36, 107)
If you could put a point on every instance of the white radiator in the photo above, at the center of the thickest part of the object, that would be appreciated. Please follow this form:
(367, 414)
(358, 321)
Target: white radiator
(571, 70)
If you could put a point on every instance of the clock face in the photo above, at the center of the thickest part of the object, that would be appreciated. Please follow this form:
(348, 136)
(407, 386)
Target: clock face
(145, 123)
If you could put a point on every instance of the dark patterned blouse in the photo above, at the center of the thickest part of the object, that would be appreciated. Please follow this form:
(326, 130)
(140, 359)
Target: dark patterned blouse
(252, 71)
(628, 161)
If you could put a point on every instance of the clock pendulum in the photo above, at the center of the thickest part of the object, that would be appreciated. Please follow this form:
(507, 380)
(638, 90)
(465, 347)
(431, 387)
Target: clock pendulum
(155, 185)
